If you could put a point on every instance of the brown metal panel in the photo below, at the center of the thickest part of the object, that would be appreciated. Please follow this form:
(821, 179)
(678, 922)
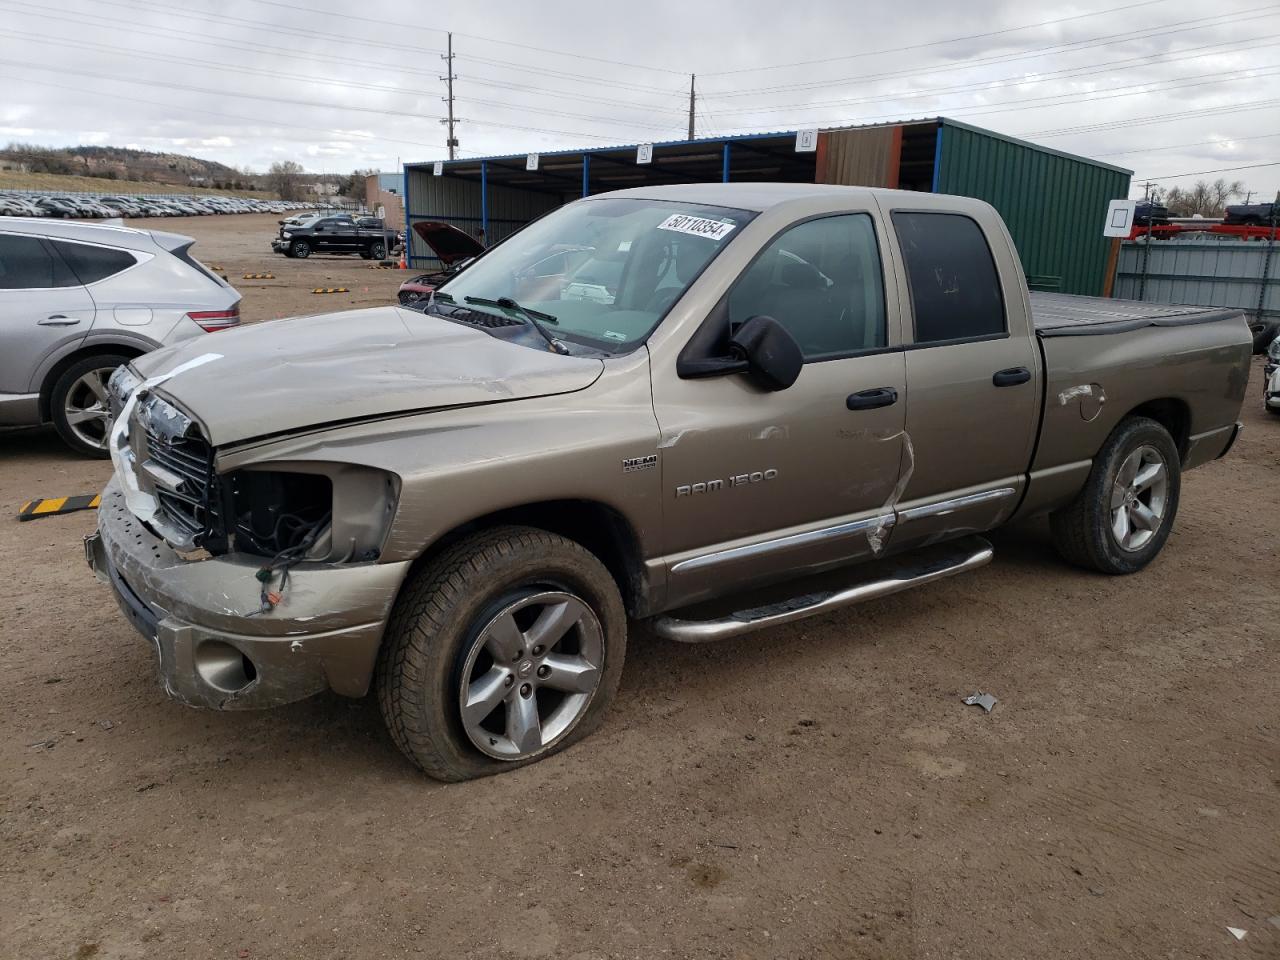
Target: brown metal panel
(860, 158)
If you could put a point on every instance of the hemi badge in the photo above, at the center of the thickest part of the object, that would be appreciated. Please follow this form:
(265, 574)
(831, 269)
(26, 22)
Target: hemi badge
(635, 464)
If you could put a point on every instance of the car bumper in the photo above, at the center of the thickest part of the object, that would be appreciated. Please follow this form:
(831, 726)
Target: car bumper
(280, 246)
(214, 648)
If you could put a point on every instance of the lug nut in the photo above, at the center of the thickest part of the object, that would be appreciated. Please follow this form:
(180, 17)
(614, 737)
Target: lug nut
(519, 654)
(544, 671)
(537, 651)
(510, 680)
(525, 689)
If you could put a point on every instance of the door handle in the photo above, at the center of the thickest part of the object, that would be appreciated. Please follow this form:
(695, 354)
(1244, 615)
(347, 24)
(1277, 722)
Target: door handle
(1011, 377)
(871, 399)
(58, 320)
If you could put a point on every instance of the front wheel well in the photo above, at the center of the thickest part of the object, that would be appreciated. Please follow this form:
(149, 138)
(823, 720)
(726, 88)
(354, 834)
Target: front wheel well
(84, 353)
(1172, 414)
(596, 526)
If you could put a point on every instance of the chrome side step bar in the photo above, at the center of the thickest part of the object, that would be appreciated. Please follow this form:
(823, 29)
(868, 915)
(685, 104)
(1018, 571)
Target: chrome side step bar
(891, 576)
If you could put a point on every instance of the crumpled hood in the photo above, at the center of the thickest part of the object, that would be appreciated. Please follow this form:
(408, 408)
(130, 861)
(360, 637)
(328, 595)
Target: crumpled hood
(287, 375)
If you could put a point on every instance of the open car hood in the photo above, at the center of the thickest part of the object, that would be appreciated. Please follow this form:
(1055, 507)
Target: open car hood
(447, 242)
(307, 372)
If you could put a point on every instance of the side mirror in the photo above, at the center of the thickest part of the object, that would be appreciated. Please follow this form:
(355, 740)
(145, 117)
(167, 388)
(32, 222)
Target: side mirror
(772, 356)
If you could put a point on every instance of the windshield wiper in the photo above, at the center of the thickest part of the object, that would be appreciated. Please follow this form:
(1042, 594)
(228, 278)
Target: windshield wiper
(442, 296)
(535, 318)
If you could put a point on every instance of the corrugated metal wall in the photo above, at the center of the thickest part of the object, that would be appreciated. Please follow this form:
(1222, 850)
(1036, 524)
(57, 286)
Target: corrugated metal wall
(1054, 205)
(457, 202)
(1210, 273)
(860, 158)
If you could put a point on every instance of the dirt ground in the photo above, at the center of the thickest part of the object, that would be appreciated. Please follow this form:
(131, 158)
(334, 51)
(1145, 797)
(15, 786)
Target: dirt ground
(816, 791)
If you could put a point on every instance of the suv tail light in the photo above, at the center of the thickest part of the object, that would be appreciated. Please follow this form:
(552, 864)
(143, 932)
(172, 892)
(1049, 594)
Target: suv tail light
(213, 320)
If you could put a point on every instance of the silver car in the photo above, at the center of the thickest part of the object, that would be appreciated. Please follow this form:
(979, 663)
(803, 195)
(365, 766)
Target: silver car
(78, 300)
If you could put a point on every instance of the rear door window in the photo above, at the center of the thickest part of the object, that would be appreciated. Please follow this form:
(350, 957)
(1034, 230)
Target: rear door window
(26, 264)
(92, 263)
(955, 289)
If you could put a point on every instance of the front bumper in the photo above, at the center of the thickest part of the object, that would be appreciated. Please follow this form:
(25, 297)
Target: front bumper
(214, 648)
(279, 245)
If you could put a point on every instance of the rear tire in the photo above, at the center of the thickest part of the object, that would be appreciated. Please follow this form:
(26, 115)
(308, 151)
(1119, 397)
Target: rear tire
(78, 404)
(448, 638)
(1122, 518)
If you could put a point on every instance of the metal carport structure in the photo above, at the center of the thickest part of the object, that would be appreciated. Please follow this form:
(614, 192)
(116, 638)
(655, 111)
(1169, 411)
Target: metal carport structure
(1054, 202)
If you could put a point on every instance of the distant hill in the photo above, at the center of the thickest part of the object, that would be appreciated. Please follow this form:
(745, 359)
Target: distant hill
(122, 163)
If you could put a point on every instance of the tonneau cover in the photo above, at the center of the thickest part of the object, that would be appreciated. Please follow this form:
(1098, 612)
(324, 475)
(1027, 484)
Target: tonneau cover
(1065, 315)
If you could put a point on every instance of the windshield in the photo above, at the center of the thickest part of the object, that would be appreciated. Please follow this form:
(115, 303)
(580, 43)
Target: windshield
(605, 271)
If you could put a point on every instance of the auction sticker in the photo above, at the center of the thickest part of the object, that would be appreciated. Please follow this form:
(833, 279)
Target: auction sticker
(697, 226)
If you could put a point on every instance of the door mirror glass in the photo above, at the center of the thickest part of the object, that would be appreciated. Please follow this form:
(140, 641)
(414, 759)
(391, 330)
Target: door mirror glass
(772, 355)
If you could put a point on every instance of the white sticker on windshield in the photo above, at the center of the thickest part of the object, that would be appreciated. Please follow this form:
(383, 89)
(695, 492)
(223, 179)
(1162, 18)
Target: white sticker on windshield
(612, 335)
(697, 226)
(624, 246)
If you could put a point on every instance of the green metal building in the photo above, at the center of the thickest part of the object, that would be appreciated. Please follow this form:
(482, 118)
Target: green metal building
(1053, 202)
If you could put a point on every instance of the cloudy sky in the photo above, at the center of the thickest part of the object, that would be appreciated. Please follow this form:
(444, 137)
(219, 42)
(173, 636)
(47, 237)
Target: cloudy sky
(1165, 87)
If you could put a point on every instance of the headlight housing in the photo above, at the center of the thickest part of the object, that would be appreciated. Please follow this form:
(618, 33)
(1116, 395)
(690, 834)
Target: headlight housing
(285, 234)
(1273, 351)
(332, 512)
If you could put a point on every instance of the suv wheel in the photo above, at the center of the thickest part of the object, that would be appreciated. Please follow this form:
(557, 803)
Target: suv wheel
(300, 249)
(79, 404)
(1122, 518)
(378, 251)
(506, 649)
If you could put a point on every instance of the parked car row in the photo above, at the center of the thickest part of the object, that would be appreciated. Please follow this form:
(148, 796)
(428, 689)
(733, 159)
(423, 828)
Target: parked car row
(83, 207)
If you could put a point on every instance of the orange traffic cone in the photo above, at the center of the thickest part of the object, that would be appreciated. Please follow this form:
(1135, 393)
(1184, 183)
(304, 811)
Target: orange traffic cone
(403, 264)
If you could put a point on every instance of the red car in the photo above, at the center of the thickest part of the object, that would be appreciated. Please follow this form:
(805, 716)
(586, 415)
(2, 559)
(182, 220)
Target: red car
(453, 248)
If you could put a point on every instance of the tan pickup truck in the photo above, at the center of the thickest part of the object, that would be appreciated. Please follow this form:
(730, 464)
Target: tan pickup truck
(717, 408)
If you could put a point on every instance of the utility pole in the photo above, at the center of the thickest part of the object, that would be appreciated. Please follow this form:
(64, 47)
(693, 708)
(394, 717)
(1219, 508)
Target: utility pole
(448, 79)
(693, 99)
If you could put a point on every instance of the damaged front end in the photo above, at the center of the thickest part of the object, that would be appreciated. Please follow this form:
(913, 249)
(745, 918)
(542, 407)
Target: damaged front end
(259, 586)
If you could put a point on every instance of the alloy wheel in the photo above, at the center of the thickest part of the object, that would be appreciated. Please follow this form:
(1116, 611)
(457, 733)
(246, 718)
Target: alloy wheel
(87, 409)
(1139, 498)
(530, 675)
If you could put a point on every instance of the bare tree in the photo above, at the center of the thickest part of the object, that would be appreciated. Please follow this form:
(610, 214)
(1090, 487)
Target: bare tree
(283, 178)
(1204, 198)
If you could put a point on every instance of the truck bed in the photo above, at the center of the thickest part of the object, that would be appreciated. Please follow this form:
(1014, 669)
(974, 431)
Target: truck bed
(1065, 315)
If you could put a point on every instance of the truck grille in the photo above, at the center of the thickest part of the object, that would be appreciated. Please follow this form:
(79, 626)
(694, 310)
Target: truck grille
(175, 465)
(187, 504)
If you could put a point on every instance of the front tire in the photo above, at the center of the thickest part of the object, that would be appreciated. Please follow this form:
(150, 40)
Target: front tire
(79, 405)
(378, 251)
(300, 249)
(1122, 518)
(505, 649)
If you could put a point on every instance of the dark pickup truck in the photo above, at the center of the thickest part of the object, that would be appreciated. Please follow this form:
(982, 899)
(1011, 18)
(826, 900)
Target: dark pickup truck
(1250, 214)
(367, 236)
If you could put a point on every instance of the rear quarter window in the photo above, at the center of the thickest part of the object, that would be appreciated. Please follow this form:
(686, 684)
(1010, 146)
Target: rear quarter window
(92, 263)
(27, 264)
(955, 289)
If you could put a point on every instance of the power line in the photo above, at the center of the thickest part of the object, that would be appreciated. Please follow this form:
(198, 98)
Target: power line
(931, 43)
(223, 19)
(341, 134)
(1145, 33)
(242, 46)
(1253, 43)
(1248, 105)
(576, 55)
(1200, 173)
(1065, 99)
(1179, 146)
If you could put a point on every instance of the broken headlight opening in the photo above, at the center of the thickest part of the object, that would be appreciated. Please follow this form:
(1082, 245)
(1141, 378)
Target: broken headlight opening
(324, 513)
(274, 513)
